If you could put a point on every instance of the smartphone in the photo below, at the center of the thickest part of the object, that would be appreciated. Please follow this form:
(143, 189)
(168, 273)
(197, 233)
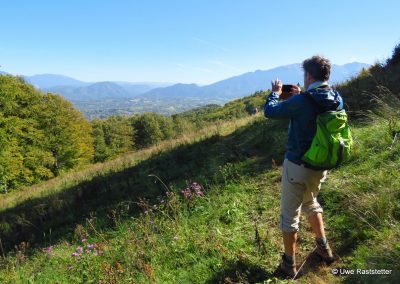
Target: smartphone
(286, 91)
(287, 88)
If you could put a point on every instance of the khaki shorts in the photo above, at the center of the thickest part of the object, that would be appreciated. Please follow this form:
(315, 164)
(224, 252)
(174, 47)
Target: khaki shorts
(299, 190)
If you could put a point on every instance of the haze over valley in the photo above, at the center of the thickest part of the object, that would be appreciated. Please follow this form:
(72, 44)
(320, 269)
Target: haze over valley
(102, 99)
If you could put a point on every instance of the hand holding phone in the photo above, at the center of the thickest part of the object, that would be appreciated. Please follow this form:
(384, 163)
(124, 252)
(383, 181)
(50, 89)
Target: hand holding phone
(288, 91)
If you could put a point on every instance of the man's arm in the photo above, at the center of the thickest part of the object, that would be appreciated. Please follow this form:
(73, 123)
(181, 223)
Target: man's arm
(281, 110)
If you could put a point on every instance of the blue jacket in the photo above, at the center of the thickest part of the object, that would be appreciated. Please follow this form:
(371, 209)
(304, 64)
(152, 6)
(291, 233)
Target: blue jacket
(302, 114)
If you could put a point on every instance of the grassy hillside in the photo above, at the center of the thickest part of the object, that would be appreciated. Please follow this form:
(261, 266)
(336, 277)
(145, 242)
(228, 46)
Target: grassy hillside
(43, 136)
(229, 234)
(205, 208)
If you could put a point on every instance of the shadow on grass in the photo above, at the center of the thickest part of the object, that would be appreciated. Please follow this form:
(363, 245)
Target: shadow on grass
(243, 272)
(44, 221)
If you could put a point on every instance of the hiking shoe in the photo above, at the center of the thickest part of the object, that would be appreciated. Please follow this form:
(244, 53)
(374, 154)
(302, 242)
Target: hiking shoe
(289, 269)
(325, 253)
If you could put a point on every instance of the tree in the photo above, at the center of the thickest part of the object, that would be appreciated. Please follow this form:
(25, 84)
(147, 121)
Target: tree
(101, 152)
(68, 133)
(166, 126)
(112, 136)
(181, 125)
(148, 130)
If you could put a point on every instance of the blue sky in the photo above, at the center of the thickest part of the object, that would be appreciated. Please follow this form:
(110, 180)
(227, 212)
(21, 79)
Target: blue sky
(189, 40)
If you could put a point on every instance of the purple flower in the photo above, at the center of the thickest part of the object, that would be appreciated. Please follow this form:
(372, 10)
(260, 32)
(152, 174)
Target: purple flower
(162, 201)
(195, 186)
(199, 192)
(95, 253)
(193, 190)
(186, 193)
(79, 249)
(75, 254)
(90, 246)
(49, 249)
(83, 240)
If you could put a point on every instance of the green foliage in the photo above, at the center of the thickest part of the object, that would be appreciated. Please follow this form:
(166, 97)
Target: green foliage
(379, 83)
(40, 135)
(151, 234)
(112, 136)
(148, 131)
(232, 232)
(68, 133)
(231, 110)
(395, 59)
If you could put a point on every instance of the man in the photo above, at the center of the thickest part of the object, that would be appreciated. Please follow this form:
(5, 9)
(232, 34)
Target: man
(300, 182)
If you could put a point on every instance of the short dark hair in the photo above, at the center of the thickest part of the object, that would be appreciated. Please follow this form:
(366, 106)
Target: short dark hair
(318, 67)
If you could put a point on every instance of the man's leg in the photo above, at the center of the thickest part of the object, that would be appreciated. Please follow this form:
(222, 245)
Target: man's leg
(289, 242)
(314, 211)
(317, 225)
(291, 198)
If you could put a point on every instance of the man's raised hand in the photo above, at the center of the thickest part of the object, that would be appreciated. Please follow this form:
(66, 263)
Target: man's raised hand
(276, 86)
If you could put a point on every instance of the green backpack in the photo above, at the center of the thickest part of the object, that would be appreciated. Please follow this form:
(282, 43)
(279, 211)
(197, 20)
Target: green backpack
(332, 142)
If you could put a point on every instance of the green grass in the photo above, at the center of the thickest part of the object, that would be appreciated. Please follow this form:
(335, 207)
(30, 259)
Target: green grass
(127, 160)
(231, 235)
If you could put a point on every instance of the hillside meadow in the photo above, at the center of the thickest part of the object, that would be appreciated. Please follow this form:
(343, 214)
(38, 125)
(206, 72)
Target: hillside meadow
(226, 229)
(204, 208)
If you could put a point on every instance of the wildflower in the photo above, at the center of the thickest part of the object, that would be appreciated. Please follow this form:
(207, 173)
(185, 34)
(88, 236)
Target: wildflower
(75, 254)
(49, 250)
(90, 246)
(197, 188)
(162, 200)
(79, 249)
(186, 193)
(198, 192)
(193, 190)
(83, 240)
(95, 253)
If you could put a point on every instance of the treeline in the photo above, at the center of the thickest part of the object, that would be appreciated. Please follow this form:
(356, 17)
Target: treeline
(121, 134)
(43, 135)
(380, 82)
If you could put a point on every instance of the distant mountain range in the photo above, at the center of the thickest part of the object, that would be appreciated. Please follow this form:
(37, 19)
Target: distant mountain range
(101, 99)
(45, 81)
(234, 87)
(248, 83)
(75, 90)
